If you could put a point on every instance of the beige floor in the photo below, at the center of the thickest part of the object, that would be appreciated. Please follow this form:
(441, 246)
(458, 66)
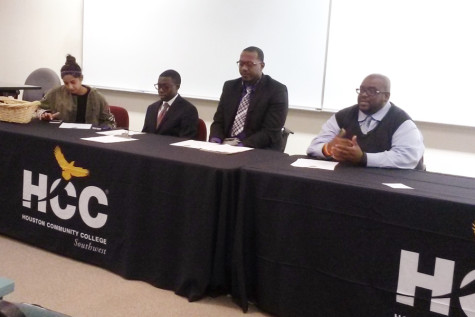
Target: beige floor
(82, 290)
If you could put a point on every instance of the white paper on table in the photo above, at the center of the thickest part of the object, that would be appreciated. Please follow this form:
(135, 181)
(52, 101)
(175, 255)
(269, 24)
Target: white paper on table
(397, 185)
(212, 147)
(68, 125)
(120, 132)
(309, 163)
(109, 139)
(189, 143)
(224, 148)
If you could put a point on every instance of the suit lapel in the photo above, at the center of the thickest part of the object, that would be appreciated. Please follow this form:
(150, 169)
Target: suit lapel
(171, 114)
(236, 96)
(257, 94)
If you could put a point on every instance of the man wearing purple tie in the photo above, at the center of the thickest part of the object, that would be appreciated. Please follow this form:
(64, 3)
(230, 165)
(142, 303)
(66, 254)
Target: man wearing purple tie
(253, 108)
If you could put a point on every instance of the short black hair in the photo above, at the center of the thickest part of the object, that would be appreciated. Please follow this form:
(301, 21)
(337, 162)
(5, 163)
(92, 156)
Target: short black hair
(260, 53)
(173, 74)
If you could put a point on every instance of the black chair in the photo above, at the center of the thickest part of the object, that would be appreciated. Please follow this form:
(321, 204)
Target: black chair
(45, 78)
(285, 136)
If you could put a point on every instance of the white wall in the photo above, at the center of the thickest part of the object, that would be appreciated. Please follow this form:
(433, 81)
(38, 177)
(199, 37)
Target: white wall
(421, 52)
(40, 34)
(151, 40)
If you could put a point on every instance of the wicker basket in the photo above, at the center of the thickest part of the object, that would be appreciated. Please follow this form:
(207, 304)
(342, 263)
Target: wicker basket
(14, 110)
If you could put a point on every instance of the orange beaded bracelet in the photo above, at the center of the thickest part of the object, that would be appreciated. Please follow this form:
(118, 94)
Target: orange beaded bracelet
(325, 150)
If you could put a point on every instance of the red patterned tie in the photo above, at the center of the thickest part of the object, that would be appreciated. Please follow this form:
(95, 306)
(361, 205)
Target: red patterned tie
(162, 113)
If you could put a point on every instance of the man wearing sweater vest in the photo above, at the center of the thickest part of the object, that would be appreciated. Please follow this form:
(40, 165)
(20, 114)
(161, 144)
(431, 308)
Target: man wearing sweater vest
(373, 133)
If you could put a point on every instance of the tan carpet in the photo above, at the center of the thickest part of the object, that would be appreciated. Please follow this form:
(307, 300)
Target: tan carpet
(82, 290)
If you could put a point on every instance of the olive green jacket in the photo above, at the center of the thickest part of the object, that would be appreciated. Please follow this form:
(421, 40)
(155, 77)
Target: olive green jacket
(62, 101)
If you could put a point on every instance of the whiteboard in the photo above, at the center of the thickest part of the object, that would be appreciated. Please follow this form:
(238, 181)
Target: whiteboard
(127, 44)
(426, 48)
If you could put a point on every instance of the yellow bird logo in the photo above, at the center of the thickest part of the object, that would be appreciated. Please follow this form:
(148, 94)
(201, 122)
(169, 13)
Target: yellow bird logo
(68, 168)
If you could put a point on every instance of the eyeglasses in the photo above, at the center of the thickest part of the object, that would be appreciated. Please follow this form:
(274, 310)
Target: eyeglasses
(163, 86)
(369, 91)
(248, 63)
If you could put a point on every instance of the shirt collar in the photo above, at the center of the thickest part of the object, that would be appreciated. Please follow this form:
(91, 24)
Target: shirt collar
(253, 87)
(379, 115)
(170, 102)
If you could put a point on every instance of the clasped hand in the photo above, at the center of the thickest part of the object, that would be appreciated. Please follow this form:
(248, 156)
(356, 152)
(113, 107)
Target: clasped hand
(345, 150)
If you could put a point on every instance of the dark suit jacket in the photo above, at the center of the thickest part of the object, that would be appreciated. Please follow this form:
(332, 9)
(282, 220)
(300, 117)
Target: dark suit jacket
(265, 117)
(181, 119)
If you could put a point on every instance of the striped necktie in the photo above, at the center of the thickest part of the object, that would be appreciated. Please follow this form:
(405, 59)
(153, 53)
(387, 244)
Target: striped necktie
(240, 119)
(366, 124)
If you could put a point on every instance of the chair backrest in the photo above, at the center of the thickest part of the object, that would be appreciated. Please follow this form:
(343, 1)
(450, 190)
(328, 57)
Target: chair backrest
(285, 136)
(121, 116)
(202, 130)
(44, 77)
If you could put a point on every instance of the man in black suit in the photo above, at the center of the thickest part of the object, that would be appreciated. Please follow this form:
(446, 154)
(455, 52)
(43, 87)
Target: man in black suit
(172, 114)
(252, 109)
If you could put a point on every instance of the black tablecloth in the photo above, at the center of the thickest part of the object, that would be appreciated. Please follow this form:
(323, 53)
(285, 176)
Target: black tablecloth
(313, 242)
(169, 210)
